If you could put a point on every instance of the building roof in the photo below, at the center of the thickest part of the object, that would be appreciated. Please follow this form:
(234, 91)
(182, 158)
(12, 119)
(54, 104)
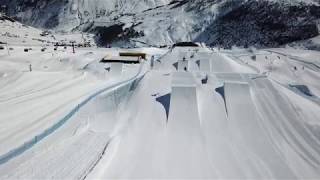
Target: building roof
(121, 59)
(133, 54)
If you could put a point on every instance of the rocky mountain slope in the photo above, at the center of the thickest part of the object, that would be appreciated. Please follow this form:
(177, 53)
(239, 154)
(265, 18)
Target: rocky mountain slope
(262, 23)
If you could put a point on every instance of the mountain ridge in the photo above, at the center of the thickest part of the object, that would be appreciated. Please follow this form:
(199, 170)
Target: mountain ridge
(226, 23)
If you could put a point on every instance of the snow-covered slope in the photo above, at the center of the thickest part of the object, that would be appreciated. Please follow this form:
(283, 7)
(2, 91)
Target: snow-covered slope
(16, 33)
(69, 14)
(186, 113)
(248, 120)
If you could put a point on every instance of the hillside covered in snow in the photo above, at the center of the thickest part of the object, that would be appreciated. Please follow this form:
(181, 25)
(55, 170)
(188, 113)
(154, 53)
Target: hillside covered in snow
(262, 23)
(72, 110)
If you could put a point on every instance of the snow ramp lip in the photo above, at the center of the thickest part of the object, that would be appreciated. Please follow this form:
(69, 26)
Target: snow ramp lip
(36, 139)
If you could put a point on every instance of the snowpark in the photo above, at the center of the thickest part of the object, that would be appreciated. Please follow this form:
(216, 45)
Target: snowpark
(184, 112)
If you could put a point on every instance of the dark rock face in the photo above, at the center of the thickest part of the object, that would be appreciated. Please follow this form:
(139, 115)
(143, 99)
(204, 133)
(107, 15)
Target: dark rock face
(108, 35)
(260, 23)
(263, 24)
(34, 12)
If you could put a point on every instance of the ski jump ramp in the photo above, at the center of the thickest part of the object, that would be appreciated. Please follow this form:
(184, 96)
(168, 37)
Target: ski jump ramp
(248, 133)
(237, 144)
(205, 65)
(221, 63)
(185, 150)
(183, 65)
(175, 150)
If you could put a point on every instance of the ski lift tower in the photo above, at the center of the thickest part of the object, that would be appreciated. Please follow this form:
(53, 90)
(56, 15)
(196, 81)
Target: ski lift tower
(73, 44)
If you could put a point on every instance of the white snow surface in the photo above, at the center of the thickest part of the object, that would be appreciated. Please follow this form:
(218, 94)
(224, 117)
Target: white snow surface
(232, 114)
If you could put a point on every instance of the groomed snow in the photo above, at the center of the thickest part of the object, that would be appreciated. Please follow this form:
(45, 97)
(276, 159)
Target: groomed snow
(197, 113)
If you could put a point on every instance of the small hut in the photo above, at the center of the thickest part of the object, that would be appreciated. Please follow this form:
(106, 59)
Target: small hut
(121, 59)
(133, 54)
